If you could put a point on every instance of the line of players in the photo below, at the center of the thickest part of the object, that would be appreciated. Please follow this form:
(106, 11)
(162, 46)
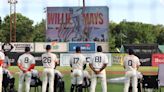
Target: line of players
(98, 63)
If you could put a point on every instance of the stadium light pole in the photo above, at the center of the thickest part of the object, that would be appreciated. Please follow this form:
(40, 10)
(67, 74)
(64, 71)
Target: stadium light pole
(45, 21)
(12, 10)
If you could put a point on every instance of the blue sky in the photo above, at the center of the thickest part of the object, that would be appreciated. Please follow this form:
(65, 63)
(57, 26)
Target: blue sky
(147, 11)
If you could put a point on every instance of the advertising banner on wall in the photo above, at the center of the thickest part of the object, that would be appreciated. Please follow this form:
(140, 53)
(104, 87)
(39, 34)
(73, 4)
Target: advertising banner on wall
(77, 24)
(55, 46)
(117, 58)
(85, 46)
(65, 57)
(157, 59)
(17, 47)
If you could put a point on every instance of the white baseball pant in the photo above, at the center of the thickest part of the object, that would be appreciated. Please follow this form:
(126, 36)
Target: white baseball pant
(77, 76)
(27, 77)
(131, 76)
(102, 77)
(1, 77)
(48, 75)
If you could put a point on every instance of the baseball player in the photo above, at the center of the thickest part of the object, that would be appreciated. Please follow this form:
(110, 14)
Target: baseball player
(131, 64)
(6, 64)
(49, 61)
(98, 63)
(77, 62)
(2, 57)
(26, 62)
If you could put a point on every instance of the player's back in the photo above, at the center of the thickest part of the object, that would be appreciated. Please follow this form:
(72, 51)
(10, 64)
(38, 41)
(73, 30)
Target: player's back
(77, 61)
(48, 60)
(26, 60)
(98, 60)
(131, 62)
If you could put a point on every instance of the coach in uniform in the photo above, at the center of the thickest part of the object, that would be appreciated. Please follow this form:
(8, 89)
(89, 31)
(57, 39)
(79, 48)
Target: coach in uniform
(49, 61)
(77, 62)
(26, 62)
(98, 63)
(2, 57)
(131, 64)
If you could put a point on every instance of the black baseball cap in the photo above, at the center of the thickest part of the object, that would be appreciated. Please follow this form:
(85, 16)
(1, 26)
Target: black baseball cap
(99, 49)
(130, 51)
(48, 47)
(78, 49)
(27, 49)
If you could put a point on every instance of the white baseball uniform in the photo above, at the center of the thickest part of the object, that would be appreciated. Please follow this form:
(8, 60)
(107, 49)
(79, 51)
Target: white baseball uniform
(2, 57)
(77, 61)
(49, 60)
(97, 61)
(25, 60)
(130, 63)
(5, 65)
(6, 62)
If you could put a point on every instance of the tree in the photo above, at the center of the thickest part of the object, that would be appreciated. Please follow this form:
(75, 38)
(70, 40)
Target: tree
(136, 33)
(160, 37)
(24, 27)
(112, 44)
(39, 33)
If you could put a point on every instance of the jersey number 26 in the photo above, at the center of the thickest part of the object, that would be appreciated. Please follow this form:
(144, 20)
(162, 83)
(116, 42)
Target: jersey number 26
(46, 59)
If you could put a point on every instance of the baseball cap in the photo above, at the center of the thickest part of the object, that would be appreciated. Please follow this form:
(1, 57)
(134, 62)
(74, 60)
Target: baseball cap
(99, 49)
(27, 49)
(78, 49)
(48, 47)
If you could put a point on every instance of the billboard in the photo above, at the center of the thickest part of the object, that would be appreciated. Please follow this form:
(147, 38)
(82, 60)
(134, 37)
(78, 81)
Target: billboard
(77, 24)
(17, 46)
(157, 59)
(65, 57)
(56, 46)
(118, 58)
(143, 51)
(85, 46)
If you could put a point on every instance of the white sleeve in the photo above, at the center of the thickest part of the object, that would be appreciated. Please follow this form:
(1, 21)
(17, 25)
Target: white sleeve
(91, 59)
(2, 56)
(19, 60)
(84, 60)
(138, 61)
(56, 59)
(105, 59)
(33, 60)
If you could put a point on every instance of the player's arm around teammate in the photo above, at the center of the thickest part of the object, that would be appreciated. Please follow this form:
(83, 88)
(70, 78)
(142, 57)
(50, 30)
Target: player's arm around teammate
(49, 61)
(98, 64)
(26, 62)
(2, 57)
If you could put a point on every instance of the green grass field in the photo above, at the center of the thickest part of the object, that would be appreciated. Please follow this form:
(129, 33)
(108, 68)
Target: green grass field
(66, 72)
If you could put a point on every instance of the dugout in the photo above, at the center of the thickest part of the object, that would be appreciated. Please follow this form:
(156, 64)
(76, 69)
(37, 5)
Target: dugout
(143, 51)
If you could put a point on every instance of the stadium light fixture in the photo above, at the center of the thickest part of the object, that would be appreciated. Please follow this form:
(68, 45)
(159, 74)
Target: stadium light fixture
(12, 19)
